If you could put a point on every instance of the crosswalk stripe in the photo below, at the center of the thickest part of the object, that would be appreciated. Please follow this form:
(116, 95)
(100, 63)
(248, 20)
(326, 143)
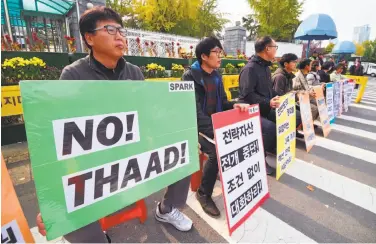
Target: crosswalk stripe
(355, 132)
(358, 120)
(335, 184)
(343, 148)
(362, 106)
(261, 226)
(368, 103)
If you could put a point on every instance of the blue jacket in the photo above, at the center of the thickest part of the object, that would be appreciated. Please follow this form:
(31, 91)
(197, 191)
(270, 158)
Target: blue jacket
(204, 122)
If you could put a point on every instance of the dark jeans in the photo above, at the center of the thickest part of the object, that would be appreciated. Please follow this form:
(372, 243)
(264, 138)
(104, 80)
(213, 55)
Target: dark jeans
(210, 170)
(272, 117)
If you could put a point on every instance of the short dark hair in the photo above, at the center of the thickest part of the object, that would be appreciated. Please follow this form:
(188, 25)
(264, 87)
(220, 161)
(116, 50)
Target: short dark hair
(327, 65)
(205, 46)
(339, 66)
(287, 58)
(262, 42)
(304, 63)
(314, 65)
(89, 19)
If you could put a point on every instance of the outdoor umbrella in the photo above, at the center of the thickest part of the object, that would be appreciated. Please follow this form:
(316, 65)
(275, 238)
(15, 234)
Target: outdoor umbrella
(316, 27)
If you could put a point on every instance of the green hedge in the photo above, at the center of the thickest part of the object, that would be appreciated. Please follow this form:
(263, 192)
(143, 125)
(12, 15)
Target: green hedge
(61, 60)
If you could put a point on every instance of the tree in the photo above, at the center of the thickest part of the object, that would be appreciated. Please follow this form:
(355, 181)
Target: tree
(126, 10)
(369, 51)
(163, 15)
(359, 49)
(251, 24)
(329, 47)
(277, 18)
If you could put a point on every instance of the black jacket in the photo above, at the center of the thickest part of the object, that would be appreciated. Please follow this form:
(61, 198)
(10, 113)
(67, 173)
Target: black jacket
(282, 81)
(204, 122)
(255, 84)
(324, 77)
(87, 69)
(357, 72)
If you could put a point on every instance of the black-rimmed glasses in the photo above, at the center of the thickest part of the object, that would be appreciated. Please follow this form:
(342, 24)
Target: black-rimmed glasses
(113, 29)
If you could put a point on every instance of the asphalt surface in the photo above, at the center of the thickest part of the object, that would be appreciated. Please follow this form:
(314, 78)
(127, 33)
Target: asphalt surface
(341, 208)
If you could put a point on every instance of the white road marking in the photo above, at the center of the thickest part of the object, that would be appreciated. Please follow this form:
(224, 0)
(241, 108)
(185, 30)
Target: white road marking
(358, 120)
(353, 131)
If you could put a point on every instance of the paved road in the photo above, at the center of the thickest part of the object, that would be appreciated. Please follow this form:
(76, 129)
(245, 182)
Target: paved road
(342, 208)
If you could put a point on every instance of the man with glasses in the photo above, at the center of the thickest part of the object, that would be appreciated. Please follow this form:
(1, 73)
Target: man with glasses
(210, 98)
(255, 86)
(102, 30)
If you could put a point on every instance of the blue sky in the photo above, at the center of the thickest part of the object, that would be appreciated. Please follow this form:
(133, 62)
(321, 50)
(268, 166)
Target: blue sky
(347, 14)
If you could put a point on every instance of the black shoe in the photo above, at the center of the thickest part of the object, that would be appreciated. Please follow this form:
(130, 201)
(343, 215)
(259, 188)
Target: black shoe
(269, 170)
(207, 204)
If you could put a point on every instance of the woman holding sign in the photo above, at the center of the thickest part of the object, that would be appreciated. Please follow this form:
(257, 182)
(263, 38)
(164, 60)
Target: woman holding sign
(300, 83)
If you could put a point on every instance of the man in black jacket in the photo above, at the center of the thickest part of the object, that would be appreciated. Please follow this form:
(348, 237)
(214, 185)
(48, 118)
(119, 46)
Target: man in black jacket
(282, 77)
(210, 98)
(102, 30)
(255, 86)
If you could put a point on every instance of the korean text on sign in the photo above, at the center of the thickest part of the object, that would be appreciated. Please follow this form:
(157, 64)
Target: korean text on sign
(286, 124)
(306, 114)
(242, 163)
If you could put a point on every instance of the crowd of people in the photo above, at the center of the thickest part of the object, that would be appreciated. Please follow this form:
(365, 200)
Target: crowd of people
(103, 32)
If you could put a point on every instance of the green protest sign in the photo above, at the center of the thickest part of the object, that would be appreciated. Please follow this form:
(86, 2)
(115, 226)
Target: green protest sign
(99, 146)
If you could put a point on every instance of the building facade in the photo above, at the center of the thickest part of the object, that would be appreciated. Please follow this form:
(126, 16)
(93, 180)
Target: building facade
(361, 33)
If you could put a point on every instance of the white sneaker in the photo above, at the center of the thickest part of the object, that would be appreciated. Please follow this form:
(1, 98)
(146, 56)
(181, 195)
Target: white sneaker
(179, 220)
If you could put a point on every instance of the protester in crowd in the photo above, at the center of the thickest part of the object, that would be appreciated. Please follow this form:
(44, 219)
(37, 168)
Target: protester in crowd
(282, 80)
(357, 69)
(210, 98)
(321, 59)
(300, 83)
(323, 72)
(313, 78)
(337, 74)
(332, 64)
(255, 86)
(282, 77)
(344, 65)
(102, 30)
(314, 56)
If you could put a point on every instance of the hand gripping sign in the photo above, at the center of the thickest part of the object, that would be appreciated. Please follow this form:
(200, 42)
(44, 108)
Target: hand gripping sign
(99, 146)
(241, 162)
(286, 133)
(14, 228)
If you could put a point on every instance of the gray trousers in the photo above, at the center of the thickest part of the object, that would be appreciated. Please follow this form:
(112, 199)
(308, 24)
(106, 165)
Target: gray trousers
(175, 196)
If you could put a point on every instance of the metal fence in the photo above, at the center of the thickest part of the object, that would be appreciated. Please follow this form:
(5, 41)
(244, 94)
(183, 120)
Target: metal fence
(34, 33)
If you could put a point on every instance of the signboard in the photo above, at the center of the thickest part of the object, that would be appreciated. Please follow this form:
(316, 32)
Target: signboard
(345, 94)
(11, 103)
(340, 98)
(305, 112)
(241, 160)
(330, 102)
(14, 227)
(99, 146)
(336, 97)
(286, 133)
(323, 112)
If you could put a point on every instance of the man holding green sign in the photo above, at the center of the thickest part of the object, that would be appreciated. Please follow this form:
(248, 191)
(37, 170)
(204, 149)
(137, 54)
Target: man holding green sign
(97, 171)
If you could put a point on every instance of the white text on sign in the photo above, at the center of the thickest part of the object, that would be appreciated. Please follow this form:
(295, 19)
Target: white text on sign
(84, 135)
(92, 185)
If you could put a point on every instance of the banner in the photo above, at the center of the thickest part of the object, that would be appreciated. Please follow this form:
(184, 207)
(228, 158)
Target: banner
(286, 133)
(346, 101)
(99, 146)
(340, 110)
(323, 112)
(14, 227)
(330, 102)
(240, 151)
(10, 101)
(305, 112)
(337, 98)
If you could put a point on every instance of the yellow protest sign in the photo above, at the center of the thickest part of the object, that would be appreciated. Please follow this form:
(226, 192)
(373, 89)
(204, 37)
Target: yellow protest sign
(323, 111)
(11, 101)
(286, 126)
(306, 114)
(14, 228)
